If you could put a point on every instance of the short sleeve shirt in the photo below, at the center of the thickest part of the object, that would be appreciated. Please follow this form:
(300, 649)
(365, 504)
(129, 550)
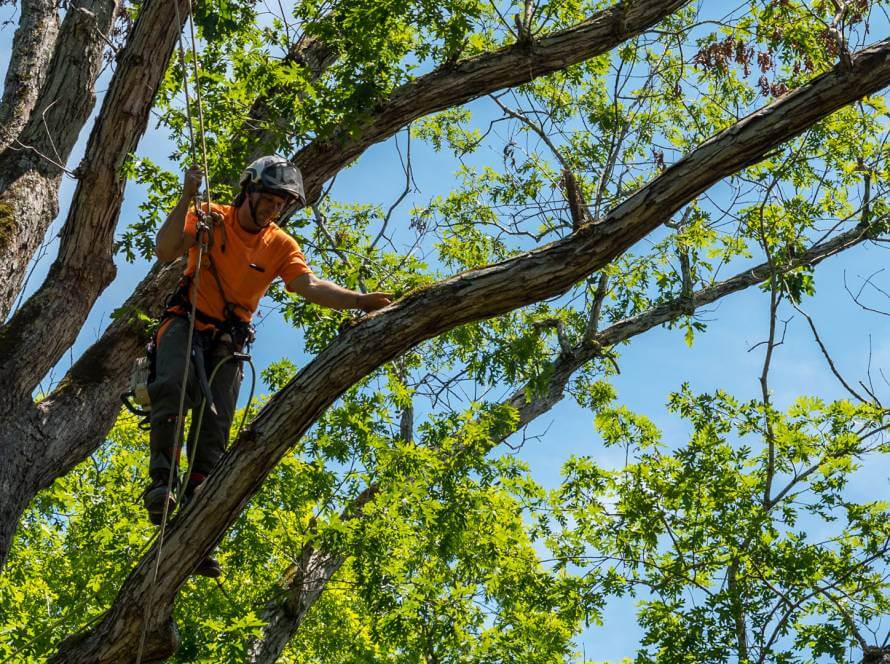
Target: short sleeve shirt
(246, 263)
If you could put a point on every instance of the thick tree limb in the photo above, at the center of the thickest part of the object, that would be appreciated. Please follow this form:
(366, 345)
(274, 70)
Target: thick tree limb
(39, 333)
(32, 163)
(45, 440)
(468, 79)
(305, 582)
(30, 55)
(380, 337)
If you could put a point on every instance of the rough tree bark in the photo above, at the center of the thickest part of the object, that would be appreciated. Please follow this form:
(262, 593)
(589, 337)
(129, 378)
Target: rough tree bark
(304, 582)
(33, 161)
(47, 324)
(474, 295)
(31, 51)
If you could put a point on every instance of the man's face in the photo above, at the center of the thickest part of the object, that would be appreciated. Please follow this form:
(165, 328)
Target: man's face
(267, 206)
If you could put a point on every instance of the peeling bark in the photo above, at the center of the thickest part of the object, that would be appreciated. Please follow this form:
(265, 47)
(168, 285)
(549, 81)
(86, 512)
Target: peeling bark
(475, 295)
(32, 164)
(30, 55)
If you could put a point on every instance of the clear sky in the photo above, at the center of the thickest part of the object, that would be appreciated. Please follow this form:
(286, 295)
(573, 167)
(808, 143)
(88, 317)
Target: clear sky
(655, 364)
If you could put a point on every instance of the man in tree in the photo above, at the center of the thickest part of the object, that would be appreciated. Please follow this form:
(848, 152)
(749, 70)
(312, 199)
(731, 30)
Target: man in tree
(245, 252)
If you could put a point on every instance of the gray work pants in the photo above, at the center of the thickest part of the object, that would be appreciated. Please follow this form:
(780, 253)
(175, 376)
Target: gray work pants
(164, 392)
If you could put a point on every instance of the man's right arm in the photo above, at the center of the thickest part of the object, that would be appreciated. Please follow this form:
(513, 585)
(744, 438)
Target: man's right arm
(171, 241)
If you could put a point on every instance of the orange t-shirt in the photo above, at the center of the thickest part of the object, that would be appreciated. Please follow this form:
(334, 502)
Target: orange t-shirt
(247, 267)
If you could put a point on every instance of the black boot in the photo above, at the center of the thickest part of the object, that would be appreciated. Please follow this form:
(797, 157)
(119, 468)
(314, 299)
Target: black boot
(156, 496)
(208, 567)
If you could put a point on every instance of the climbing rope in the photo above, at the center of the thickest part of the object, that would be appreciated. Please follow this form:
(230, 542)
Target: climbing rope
(200, 106)
(201, 236)
(234, 356)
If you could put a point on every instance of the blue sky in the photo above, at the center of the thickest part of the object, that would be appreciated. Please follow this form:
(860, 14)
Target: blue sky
(655, 364)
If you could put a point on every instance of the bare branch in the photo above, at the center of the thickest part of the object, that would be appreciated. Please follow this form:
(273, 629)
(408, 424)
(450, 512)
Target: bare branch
(827, 356)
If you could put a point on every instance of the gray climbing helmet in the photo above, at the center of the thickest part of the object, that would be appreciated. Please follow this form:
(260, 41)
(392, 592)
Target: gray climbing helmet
(276, 175)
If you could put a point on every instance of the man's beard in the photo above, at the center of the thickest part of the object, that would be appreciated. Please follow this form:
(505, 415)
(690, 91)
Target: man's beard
(262, 221)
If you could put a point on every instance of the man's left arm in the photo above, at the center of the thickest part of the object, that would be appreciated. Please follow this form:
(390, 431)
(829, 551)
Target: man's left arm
(328, 294)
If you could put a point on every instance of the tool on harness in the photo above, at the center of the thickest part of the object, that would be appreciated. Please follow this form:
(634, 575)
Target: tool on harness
(136, 398)
(201, 373)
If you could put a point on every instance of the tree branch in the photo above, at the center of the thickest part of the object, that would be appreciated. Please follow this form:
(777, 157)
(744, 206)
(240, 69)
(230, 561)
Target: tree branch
(28, 61)
(35, 338)
(468, 79)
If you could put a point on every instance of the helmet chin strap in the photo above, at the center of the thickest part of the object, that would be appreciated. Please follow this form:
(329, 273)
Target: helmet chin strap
(252, 207)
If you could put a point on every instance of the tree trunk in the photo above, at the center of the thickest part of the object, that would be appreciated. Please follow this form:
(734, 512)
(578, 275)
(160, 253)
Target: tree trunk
(32, 164)
(16, 471)
(52, 437)
(39, 333)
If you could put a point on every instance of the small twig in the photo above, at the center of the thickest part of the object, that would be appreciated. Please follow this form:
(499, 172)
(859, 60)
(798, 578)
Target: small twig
(865, 283)
(593, 322)
(409, 177)
(824, 350)
(320, 221)
(57, 164)
(574, 195)
(848, 619)
(562, 337)
(836, 31)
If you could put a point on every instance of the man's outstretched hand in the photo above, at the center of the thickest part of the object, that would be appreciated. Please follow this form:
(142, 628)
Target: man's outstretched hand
(369, 302)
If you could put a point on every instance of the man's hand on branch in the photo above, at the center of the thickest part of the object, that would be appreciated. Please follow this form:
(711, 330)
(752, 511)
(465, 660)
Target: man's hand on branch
(369, 302)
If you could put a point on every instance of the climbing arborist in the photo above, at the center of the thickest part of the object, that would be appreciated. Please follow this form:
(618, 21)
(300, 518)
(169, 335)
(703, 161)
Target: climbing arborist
(245, 252)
